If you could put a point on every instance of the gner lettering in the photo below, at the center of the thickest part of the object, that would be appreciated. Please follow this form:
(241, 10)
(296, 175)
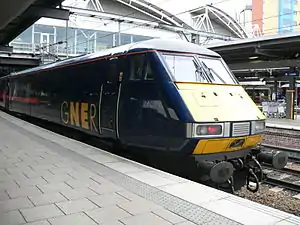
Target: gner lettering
(79, 114)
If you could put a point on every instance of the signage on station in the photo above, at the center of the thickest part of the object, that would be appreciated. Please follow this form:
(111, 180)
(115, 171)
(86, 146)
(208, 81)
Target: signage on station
(292, 74)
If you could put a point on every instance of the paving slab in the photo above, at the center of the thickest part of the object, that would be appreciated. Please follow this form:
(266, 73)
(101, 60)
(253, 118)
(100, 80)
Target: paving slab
(15, 204)
(48, 198)
(11, 218)
(74, 206)
(73, 219)
(41, 212)
(49, 179)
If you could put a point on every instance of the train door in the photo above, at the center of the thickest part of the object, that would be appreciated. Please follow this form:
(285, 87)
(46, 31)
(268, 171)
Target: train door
(2, 92)
(6, 95)
(109, 97)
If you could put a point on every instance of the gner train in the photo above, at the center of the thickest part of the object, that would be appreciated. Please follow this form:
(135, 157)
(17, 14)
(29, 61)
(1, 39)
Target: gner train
(164, 97)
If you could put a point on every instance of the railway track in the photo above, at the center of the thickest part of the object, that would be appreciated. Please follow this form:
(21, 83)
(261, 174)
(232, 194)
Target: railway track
(281, 128)
(283, 134)
(288, 138)
(286, 178)
(282, 183)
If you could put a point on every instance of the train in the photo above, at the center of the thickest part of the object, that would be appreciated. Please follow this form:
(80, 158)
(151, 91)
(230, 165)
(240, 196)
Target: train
(167, 99)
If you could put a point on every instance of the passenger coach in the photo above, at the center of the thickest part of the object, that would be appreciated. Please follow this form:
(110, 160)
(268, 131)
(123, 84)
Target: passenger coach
(163, 96)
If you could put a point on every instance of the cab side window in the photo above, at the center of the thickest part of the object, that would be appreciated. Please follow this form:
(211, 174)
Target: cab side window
(140, 68)
(112, 72)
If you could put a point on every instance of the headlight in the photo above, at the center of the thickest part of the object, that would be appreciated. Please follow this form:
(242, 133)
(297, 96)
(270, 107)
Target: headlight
(207, 130)
(258, 126)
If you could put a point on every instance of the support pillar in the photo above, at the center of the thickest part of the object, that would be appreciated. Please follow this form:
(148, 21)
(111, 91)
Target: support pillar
(290, 99)
(67, 27)
(119, 32)
(275, 90)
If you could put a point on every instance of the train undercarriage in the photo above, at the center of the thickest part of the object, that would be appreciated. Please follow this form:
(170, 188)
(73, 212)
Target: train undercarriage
(234, 173)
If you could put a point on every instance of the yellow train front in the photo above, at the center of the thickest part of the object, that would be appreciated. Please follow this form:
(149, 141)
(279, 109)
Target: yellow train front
(228, 127)
(223, 124)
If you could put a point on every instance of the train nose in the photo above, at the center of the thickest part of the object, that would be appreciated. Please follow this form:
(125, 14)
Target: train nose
(217, 172)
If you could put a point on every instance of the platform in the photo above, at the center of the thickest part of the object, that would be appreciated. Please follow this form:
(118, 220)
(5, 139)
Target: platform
(46, 178)
(284, 123)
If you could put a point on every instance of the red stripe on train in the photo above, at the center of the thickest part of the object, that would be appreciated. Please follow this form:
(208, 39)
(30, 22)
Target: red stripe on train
(26, 100)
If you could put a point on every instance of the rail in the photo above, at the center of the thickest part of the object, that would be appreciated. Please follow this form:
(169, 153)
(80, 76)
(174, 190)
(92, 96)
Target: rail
(286, 149)
(286, 177)
(281, 128)
(285, 184)
(285, 170)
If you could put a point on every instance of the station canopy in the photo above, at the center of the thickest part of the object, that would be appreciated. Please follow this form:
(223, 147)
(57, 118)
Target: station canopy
(277, 55)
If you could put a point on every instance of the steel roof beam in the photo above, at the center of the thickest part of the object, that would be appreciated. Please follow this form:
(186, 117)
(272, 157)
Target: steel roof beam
(157, 11)
(19, 61)
(237, 31)
(220, 16)
(265, 64)
(54, 13)
(109, 16)
(6, 48)
(167, 14)
(23, 20)
(197, 32)
(142, 11)
(265, 52)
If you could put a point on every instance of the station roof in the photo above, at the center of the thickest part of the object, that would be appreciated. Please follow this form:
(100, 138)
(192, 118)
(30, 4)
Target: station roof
(12, 62)
(124, 10)
(16, 16)
(213, 19)
(268, 57)
(266, 48)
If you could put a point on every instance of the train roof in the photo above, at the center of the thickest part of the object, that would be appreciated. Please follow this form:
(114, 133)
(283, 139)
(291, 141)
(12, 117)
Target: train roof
(152, 44)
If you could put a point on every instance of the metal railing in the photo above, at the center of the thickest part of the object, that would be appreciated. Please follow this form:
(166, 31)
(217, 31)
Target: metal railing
(58, 50)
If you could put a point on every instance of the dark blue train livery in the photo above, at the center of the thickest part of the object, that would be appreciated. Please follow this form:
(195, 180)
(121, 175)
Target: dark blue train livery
(163, 96)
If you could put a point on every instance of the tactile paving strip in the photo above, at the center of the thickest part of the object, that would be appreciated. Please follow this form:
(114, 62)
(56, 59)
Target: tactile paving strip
(183, 208)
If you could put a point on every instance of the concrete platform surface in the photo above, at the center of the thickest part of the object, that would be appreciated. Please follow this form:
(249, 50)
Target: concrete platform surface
(284, 123)
(46, 179)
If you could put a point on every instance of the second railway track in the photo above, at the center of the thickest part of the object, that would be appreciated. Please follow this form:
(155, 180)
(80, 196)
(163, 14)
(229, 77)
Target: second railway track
(287, 178)
(283, 134)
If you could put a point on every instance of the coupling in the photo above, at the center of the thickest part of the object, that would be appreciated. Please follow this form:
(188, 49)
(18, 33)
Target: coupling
(218, 172)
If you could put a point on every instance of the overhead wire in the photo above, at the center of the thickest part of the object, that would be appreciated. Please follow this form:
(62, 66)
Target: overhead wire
(144, 24)
(156, 20)
(186, 11)
(132, 13)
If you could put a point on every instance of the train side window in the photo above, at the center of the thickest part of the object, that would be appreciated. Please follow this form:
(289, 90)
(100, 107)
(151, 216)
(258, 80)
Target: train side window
(141, 68)
(111, 76)
(137, 67)
(149, 72)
